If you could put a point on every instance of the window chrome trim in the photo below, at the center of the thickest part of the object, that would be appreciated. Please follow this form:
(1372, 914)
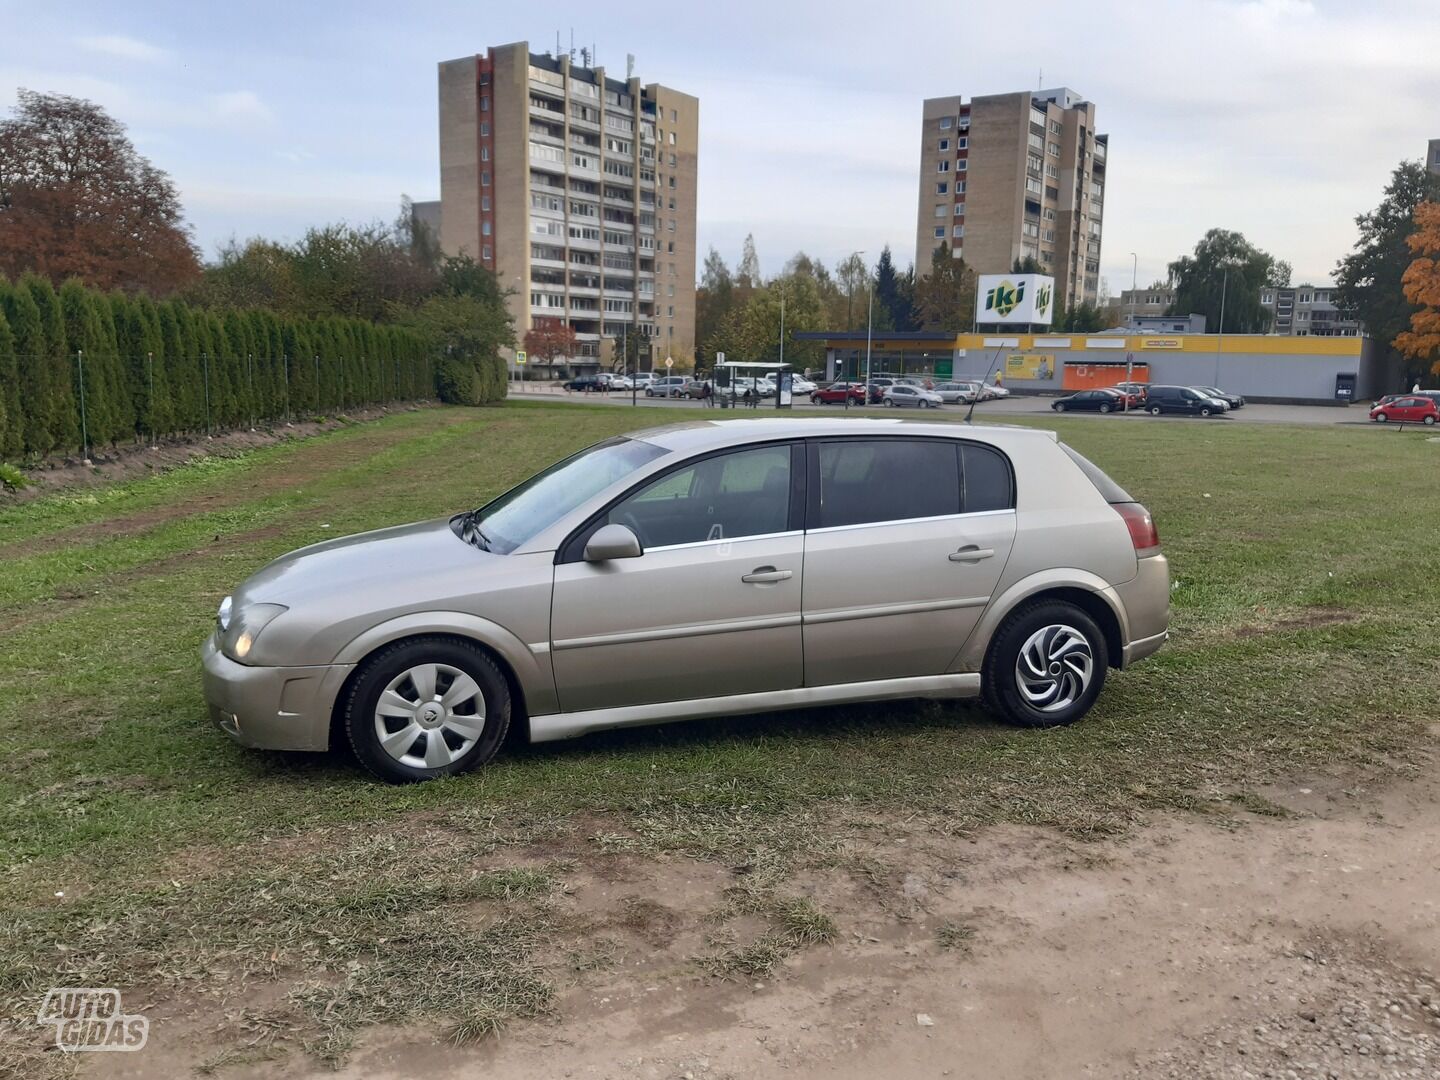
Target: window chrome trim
(910, 521)
(725, 540)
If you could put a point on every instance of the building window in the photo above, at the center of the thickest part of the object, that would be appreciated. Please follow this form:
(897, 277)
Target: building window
(484, 202)
(959, 187)
(959, 209)
(961, 165)
(674, 116)
(485, 228)
(1034, 162)
(962, 142)
(939, 232)
(944, 145)
(959, 231)
(672, 138)
(1032, 185)
(484, 179)
(940, 210)
(1055, 127)
(484, 127)
(672, 161)
(947, 122)
(484, 153)
(484, 103)
(942, 166)
(1054, 149)
(942, 188)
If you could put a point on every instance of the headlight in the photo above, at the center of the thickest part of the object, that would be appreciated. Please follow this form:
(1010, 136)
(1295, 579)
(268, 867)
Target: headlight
(223, 615)
(238, 640)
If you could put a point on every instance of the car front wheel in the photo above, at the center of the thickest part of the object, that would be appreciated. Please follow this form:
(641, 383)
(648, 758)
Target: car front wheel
(427, 708)
(1059, 406)
(1046, 665)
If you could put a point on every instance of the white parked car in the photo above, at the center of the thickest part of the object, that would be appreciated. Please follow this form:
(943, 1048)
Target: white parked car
(620, 382)
(903, 395)
(755, 386)
(798, 384)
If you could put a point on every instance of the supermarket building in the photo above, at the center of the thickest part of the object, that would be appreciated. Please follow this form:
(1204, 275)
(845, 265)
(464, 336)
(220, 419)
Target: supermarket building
(1262, 367)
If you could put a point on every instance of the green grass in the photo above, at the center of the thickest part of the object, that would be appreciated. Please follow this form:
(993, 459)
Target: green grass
(1305, 587)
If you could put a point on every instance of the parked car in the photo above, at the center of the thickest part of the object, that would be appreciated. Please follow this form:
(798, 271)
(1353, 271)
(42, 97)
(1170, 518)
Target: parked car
(798, 383)
(669, 386)
(903, 395)
(756, 386)
(590, 384)
(1104, 401)
(915, 380)
(699, 388)
(877, 387)
(837, 392)
(1234, 401)
(1182, 399)
(992, 392)
(642, 379)
(620, 382)
(1410, 409)
(1136, 389)
(587, 597)
(958, 393)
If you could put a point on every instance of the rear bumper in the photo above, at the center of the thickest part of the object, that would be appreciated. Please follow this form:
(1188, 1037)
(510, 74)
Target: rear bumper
(271, 708)
(1146, 599)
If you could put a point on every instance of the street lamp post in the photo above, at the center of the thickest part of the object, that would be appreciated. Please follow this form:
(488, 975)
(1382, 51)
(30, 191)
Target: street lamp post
(1220, 339)
(1134, 284)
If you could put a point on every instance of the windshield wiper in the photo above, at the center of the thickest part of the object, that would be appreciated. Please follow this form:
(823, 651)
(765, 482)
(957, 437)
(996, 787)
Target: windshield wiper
(470, 530)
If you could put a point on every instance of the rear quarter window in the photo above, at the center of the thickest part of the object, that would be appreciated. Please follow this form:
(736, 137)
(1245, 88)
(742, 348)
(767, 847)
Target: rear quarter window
(988, 482)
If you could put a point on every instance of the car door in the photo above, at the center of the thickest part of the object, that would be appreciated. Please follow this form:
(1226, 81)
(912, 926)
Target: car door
(711, 607)
(1406, 409)
(900, 556)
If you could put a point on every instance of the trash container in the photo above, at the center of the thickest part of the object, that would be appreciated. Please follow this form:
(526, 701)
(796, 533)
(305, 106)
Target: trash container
(1345, 386)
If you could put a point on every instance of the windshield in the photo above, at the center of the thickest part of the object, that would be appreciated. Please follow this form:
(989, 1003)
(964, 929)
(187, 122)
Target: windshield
(505, 523)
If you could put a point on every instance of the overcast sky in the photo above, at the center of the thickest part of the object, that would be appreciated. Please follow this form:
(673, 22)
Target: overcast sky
(1280, 118)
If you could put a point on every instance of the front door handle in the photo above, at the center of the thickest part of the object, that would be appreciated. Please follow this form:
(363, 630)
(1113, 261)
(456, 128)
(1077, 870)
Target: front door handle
(971, 553)
(765, 575)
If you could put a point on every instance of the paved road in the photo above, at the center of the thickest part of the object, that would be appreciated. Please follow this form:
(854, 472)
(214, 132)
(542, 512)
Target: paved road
(1011, 407)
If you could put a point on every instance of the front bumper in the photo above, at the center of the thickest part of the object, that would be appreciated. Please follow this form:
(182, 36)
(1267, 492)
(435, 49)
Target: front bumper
(271, 708)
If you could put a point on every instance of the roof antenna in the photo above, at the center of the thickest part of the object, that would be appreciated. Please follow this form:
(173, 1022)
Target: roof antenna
(976, 399)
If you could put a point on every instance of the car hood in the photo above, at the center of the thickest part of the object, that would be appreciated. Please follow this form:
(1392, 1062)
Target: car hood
(354, 565)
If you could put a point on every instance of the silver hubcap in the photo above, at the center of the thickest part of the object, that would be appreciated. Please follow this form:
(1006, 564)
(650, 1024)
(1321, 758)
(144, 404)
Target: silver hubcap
(430, 715)
(1054, 667)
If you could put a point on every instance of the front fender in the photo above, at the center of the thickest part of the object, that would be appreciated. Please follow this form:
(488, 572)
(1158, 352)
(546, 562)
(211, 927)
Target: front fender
(529, 663)
(972, 653)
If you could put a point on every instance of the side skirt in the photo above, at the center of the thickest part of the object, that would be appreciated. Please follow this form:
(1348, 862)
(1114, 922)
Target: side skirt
(570, 725)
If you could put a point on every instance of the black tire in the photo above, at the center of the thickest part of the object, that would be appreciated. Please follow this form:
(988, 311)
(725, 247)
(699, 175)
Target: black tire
(1430, 420)
(1104, 408)
(1000, 684)
(391, 661)
(1154, 410)
(1204, 410)
(1382, 418)
(1059, 406)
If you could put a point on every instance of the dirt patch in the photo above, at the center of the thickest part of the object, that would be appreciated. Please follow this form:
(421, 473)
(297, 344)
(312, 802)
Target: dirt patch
(132, 461)
(1308, 943)
(1307, 620)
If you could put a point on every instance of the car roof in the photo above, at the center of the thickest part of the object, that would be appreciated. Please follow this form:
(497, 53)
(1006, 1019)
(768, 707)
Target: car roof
(702, 435)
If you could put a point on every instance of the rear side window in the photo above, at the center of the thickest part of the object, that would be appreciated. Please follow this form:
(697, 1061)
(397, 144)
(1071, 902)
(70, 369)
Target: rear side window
(862, 481)
(988, 483)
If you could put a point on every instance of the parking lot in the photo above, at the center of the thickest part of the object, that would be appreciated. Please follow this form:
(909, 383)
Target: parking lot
(1017, 405)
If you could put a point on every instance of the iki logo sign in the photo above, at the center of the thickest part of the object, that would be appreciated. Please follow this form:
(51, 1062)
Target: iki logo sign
(89, 1019)
(1005, 298)
(1042, 301)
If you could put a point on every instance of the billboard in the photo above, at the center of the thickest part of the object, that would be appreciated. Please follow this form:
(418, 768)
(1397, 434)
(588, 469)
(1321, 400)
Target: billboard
(1015, 299)
(1029, 366)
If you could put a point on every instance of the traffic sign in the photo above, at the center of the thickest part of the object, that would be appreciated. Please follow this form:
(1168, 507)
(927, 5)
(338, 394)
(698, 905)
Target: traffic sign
(669, 361)
(520, 356)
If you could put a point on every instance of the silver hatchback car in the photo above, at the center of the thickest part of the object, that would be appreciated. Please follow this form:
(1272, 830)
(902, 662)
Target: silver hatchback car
(697, 570)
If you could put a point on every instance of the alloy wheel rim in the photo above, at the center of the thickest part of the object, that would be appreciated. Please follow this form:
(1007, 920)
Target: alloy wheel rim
(1054, 668)
(429, 716)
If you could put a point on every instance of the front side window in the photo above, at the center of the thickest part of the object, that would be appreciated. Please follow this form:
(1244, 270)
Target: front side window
(727, 497)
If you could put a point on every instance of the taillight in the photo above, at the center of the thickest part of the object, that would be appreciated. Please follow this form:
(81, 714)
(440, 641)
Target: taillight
(1143, 533)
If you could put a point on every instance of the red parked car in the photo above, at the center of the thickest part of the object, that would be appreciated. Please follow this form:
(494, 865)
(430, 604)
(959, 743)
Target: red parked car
(1408, 408)
(836, 392)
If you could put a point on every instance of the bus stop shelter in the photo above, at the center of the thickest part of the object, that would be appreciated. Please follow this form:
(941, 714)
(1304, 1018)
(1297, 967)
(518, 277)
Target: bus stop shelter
(742, 369)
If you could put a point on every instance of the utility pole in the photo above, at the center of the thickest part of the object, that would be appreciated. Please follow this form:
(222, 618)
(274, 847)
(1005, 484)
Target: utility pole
(1134, 285)
(869, 334)
(1220, 340)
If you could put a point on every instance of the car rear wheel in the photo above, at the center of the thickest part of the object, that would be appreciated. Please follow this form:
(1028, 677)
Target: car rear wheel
(1430, 420)
(426, 708)
(1154, 410)
(1104, 408)
(1046, 665)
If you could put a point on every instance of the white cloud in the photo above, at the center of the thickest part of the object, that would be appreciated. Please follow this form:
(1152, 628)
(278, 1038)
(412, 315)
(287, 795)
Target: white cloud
(126, 48)
(241, 105)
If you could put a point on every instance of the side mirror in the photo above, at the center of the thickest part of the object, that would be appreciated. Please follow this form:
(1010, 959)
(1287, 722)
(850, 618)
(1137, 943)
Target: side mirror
(613, 542)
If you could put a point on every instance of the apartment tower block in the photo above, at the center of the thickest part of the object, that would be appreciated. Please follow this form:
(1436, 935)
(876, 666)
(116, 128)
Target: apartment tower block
(578, 191)
(1015, 176)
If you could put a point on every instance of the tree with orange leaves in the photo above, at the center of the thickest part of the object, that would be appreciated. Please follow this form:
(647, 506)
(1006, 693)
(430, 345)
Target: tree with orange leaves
(1422, 288)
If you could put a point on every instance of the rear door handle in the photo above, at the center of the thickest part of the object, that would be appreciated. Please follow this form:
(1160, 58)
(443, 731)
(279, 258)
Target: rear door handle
(765, 575)
(971, 553)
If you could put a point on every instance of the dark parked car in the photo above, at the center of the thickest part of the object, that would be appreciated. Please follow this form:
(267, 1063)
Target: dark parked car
(1235, 401)
(1182, 399)
(589, 384)
(1091, 401)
